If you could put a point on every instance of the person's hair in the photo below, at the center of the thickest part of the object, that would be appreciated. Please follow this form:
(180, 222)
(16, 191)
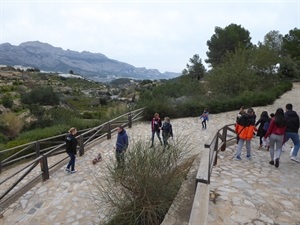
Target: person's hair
(72, 129)
(264, 114)
(156, 115)
(250, 111)
(272, 114)
(121, 127)
(279, 118)
(289, 106)
(167, 119)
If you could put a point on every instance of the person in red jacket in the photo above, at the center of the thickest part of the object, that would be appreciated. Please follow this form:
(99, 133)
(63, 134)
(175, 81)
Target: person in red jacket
(276, 133)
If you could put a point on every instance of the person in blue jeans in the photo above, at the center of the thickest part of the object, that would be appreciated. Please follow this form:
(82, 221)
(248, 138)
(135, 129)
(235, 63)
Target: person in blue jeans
(71, 146)
(292, 119)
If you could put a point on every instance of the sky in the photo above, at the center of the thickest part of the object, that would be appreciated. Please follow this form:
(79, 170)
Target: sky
(160, 34)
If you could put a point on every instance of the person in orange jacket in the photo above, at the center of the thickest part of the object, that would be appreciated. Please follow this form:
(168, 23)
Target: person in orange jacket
(245, 128)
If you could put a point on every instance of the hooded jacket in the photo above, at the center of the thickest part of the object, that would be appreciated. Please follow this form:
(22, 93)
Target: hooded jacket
(292, 120)
(122, 141)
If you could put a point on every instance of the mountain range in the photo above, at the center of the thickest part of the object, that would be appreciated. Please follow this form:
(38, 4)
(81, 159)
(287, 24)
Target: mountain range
(94, 66)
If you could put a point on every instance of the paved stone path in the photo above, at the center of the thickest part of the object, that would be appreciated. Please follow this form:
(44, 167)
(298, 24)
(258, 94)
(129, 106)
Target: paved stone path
(246, 192)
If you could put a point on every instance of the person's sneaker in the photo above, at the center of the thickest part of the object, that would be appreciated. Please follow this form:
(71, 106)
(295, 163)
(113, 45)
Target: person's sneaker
(248, 157)
(68, 170)
(295, 159)
(291, 153)
(238, 158)
(73, 171)
(271, 162)
(277, 163)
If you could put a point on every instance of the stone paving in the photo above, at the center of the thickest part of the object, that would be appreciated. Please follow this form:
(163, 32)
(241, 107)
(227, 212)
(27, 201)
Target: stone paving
(242, 192)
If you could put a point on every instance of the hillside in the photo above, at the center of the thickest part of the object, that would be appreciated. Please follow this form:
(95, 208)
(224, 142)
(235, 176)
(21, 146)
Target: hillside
(32, 99)
(94, 66)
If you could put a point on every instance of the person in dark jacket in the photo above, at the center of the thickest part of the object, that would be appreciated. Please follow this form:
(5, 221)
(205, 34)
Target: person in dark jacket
(155, 128)
(167, 131)
(121, 145)
(244, 129)
(71, 146)
(292, 128)
(263, 122)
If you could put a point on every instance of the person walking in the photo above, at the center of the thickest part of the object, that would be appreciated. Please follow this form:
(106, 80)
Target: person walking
(204, 118)
(276, 133)
(121, 146)
(244, 129)
(155, 128)
(292, 128)
(263, 122)
(167, 131)
(71, 145)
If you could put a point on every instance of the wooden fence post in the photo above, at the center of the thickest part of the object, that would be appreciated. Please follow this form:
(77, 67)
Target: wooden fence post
(216, 150)
(108, 131)
(129, 120)
(44, 168)
(37, 148)
(224, 136)
(81, 147)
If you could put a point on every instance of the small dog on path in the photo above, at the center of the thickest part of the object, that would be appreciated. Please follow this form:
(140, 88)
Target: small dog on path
(97, 159)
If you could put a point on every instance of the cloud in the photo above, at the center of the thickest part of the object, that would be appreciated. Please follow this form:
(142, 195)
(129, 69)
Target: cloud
(151, 34)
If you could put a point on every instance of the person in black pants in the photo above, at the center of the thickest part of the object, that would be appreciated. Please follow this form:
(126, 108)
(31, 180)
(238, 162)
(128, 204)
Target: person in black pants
(156, 127)
(71, 145)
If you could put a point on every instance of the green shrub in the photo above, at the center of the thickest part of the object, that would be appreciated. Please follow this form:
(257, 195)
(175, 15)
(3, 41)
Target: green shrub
(143, 190)
(38, 134)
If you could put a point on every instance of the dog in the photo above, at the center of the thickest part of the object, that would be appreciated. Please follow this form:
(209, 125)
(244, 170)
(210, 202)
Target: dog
(97, 159)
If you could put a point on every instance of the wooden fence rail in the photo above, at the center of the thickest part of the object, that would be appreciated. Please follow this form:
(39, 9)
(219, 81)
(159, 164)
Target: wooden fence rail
(28, 156)
(224, 136)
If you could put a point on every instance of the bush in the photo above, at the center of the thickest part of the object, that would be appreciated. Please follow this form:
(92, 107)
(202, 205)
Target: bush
(38, 134)
(142, 192)
(42, 96)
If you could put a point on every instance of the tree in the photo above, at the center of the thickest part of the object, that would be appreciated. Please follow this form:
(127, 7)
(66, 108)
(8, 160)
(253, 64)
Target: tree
(71, 72)
(291, 44)
(273, 40)
(196, 69)
(291, 51)
(226, 40)
(235, 75)
(264, 60)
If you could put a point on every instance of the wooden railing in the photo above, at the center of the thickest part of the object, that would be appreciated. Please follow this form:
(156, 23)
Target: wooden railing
(221, 139)
(35, 160)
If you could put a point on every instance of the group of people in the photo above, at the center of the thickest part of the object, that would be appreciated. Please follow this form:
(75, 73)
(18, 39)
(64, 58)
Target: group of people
(122, 141)
(278, 129)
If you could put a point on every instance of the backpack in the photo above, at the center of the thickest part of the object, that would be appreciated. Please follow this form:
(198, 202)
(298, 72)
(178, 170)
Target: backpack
(266, 126)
